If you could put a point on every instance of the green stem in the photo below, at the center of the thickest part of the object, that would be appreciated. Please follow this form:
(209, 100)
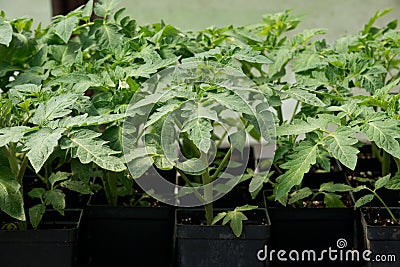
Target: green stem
(385, 163)
(83, 26)
(383, 157)
(397, 160)
(12, 159)
(375, 151)
(223, 164)
(386, 207)
(110, 188)
(186, 179)
(294, 111)
(222, 139)
(21, 172)
(208, 190)
(280, 114)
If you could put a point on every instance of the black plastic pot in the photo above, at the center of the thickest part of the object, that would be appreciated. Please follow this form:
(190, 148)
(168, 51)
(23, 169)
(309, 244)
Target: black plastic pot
(55, 243)
(208, 246)
(123, 236)
(314, 229)
(382, 241)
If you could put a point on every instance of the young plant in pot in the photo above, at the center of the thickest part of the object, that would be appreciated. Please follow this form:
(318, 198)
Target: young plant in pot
(381, 225)
(374, 115)
(48, 131)
(312, 227)
(176, 121)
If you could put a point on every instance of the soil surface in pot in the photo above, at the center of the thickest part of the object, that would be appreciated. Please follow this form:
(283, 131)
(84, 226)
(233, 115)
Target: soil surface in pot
(255, 217)
(379, 217)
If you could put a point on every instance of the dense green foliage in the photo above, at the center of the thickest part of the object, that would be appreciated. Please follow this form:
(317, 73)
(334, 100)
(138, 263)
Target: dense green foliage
(65, 89)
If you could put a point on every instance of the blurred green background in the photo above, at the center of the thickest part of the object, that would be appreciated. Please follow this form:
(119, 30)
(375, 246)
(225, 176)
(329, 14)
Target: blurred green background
(337, 16)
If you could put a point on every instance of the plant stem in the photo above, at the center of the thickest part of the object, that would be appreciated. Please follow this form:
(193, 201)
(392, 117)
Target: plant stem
(21, 172)
(186, 179)
(385, 163)
(397, 160)
(280, 114)
(384, 158)
(222, 139)
(208, 190)
(223, 164)
(386, 207)
(294, 111)
(12, 159)
(110, 187)
(375, 151)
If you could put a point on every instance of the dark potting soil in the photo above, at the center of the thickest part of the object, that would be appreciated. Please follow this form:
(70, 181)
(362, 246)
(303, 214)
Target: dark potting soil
(380, 217)
(316, 203)
(255, 217)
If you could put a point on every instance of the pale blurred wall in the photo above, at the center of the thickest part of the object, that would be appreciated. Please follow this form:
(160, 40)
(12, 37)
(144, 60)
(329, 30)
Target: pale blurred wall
(337, 16)
(39, 10)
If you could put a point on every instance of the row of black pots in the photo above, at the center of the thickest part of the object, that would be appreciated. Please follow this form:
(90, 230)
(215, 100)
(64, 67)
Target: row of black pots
(149, 236)
(120, 236)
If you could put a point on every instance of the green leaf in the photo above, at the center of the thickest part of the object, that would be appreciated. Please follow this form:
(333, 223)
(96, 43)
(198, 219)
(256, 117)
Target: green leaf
(160, 113)
(85, 120)
(55, 107)
(55, 198)
(382, 92)
(218, 217)
(257, 181)
(246, 208)
(394, 183)
(383, 133)
(340, 144)
(65, 27)
(153, 62)
(85, 145)
(308, 60)
(103, 8)
(305, 97)
(332, 200)
(298, 164)
(281, 58)
(11, 201)
(296, 128)
(12, 134)
(77, 186)
(372, 20)
(364, 200)
(199, 132)
(232, 101)
(40, 145)
(381, 182)
(36, 214)
(236, 222)
(107, 36)
(373, 78)
(37, 192)
(6, 32)
(66, 55)
(300, 194)
(88, 9)
(249, 55)
(59, 176)
(332, 187)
